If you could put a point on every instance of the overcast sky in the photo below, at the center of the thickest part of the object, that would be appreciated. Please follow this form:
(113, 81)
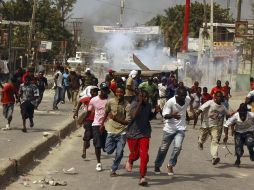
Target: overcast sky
(106, 12)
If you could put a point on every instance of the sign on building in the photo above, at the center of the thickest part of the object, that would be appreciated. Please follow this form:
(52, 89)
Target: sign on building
(45, 45)
(193, 44)
(129, 30)
(241, 28)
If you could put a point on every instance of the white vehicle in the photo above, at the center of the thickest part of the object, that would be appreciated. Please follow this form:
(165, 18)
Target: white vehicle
(81, 58)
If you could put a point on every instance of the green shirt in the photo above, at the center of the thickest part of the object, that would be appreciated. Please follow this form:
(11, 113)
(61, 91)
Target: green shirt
(121, 110)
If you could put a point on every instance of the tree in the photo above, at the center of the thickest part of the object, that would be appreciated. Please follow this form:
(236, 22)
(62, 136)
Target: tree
(64, 7)
(171, 22)
(48, 22)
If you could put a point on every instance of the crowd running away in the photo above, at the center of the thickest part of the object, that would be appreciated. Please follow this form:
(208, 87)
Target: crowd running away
(119, 111)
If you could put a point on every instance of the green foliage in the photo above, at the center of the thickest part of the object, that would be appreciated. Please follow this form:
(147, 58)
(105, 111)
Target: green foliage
(49, 18)
(171, 22)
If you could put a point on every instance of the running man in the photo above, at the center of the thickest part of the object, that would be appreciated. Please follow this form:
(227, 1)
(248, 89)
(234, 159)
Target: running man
(117, 112)
(214, 113)
(98, 104)
(9, 94)
(242, 126)
(174, 113)
(139, 134)
(88, 120)
(28, 94)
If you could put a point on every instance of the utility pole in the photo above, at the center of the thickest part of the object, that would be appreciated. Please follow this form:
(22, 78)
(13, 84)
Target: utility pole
(228, 4)
(239, 9)
(210, 62)
(76, 24)
(121, 12)
(211, 30)
(31, 31)
(186, 26)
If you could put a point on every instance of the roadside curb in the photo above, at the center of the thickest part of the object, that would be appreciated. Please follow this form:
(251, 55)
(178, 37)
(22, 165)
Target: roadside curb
(20, 162)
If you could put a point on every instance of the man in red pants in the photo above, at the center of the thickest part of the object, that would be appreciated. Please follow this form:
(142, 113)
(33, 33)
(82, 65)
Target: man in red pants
(139, 133)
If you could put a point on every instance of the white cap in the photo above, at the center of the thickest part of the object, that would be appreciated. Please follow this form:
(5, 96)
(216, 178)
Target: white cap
(133, 73)
(124, 79)
(73, 69)
(87, 69)
(87, 91)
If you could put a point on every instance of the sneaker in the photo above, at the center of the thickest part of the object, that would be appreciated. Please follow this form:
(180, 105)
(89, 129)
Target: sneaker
(215, 160)
(32, 124)
(98, 167)
(143, 182)
(200, 146)
(55, 108)
(24, 130)
(83, 155)
(128, 166)
(170, 170)
(237, 162)
(6, 128)
(157, 170)
(252, 156)
(113, 174)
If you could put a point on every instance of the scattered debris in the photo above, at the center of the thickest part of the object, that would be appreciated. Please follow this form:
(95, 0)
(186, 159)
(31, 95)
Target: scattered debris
(46, 134)
(52, 172)
(42, 186)
(26, 184)
(71, 171)
(53, 182)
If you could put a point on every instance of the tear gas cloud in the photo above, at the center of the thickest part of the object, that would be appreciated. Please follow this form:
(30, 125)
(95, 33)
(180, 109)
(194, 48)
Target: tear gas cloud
(120, 48)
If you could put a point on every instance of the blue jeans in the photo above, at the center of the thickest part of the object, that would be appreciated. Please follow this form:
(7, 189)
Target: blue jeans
(58, 96)
(167, 138)
(115, 142)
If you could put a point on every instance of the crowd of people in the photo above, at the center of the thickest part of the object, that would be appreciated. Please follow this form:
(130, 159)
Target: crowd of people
(119, 111)
(122, 111)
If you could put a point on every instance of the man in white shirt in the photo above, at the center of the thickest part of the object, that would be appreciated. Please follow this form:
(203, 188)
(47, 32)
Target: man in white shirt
(242, 127)
(250, 99)
(174, 113)
(214, 112)
(58, 86)
(162, 87)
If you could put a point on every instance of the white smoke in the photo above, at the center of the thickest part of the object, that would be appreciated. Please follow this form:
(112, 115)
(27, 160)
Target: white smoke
(120, 47)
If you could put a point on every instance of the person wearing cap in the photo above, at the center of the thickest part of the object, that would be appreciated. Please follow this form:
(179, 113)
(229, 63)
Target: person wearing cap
(131, 90)
(97, 104)
(89, 118)
(152, 90)
(117, 114)
(89, 79)
(110, 76)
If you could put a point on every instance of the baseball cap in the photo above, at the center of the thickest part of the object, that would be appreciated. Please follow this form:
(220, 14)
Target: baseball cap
(103, 85)
(111, 71)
